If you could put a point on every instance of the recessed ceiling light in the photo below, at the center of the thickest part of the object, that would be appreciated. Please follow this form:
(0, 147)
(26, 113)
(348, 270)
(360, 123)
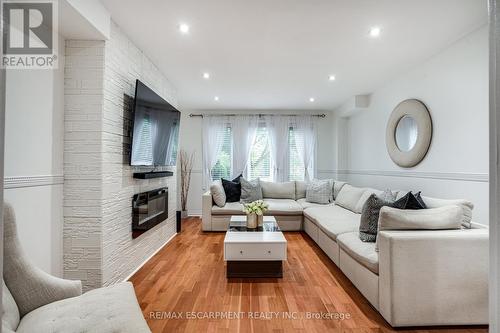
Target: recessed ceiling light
(216, 98)
(375, 32)
(184, 28)
(206, 76)
(311, 99)
(331, 78)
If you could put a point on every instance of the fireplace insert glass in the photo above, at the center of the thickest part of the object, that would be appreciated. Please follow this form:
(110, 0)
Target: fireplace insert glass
(149, 209)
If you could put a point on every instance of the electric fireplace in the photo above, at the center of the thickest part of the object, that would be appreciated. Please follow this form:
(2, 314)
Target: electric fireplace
(149, 209)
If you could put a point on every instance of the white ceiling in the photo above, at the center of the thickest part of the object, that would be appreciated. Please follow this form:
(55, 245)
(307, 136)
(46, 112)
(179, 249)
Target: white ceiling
(276, 54)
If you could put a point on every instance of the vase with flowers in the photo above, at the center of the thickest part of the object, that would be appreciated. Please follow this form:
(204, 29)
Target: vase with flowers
(255, 212)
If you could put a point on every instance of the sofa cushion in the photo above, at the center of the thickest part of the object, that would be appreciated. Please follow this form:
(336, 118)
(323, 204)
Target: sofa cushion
(218, 194)
(465, 205)
(337, 186)
(362, 200)
(273, 190)
(105, 310)
(10, 315)
(300, 189)
(230, 208)
(304, 204)
(445, 217)
(319, 191)
(333, 220)
(283, 207)
(276, 207)
(349, 196)
(364, 253)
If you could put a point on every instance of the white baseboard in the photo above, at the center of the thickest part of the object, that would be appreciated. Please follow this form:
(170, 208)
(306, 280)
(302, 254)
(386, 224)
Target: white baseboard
(151, 256)
(194, 212)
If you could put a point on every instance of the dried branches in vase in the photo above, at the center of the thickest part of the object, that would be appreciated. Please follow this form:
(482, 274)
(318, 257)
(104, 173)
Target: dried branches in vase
(186, 162)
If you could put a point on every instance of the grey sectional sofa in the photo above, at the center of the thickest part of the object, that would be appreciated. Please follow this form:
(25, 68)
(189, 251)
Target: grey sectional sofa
(416, 278)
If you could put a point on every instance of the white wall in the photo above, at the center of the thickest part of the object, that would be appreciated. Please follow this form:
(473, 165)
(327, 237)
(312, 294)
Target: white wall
(191, 138)
(33, 149)
(454, 86)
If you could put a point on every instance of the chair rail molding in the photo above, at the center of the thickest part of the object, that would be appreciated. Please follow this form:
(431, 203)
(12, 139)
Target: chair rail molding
(32, 181)
(459, 176)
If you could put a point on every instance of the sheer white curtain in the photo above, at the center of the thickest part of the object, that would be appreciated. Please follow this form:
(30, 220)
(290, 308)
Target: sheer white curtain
(306, 128)
(213, 133)
(278, 128)
(244, 129)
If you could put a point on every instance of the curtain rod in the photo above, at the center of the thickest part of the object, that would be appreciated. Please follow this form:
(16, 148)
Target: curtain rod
(259, 114)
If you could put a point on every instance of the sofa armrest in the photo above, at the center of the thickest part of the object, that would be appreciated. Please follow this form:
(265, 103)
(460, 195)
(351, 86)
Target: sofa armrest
(206, 211)
(436, 277)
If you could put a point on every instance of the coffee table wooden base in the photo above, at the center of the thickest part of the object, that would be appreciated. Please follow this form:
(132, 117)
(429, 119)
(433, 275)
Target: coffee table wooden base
(254, 269)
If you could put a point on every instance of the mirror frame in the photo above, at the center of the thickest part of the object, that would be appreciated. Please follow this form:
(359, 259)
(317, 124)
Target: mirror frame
(418, 111)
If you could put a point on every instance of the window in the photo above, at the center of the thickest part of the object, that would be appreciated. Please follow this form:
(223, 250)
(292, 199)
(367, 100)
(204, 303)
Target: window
(222, 168)
(297, 170)
(260, 157)
(260, 164)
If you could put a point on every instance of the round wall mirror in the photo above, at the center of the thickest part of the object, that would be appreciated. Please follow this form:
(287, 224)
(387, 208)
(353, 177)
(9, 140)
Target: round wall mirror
(406, 133)
(409, 133)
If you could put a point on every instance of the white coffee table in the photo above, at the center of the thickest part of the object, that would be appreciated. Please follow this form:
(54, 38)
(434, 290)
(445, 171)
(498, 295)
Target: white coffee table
(254, 253)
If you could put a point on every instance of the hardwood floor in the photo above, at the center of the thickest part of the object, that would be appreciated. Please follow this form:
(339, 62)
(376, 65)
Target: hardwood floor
(187, 279)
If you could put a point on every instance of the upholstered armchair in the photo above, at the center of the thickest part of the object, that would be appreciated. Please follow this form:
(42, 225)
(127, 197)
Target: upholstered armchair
(34, 301)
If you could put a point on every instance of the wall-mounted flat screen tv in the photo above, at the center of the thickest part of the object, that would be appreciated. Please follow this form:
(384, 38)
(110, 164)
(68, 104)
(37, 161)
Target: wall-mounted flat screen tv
(155, 134)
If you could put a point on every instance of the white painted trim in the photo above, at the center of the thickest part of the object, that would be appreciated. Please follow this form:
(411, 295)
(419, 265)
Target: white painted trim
(194, 212)
(149, 258)
(325, 171)
(494, 125)
(32, 181)
(461, 176)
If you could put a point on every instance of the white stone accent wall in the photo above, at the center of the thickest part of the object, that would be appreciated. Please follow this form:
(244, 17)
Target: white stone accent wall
(98, 190)
(124, 63)
(83, 109)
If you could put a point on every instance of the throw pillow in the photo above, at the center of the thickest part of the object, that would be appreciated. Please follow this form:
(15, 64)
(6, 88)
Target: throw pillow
(319, 191)
(218, 194)
(421, 202)
(368, 226)
(410, 201)
(388, 195)
(250, 190)
(232, 189)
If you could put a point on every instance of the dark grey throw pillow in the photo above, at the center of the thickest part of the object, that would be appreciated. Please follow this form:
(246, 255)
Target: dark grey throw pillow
(232, 189)
(412, 201)
(250, 190)
(368, 226)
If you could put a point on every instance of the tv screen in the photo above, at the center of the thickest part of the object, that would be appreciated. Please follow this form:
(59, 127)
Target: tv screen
(156, 129)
